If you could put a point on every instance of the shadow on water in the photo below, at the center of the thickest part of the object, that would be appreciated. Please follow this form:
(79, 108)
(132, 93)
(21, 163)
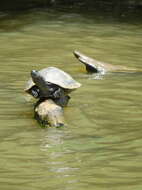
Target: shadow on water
(10, 19)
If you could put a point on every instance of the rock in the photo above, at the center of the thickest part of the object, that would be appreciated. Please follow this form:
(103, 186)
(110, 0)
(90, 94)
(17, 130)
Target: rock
(47, 112)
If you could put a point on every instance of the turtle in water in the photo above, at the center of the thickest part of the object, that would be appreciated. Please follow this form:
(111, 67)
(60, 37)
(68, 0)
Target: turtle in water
(52, 83)
(94, 66)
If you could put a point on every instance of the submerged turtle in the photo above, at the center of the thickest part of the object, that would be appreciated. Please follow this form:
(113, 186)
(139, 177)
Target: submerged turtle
(94, 66)
(51, 83)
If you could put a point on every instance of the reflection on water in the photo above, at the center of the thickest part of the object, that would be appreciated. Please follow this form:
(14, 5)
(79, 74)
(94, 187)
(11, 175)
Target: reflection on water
(101, 146)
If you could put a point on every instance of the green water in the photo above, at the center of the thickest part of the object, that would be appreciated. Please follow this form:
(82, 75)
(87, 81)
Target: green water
(101, 147)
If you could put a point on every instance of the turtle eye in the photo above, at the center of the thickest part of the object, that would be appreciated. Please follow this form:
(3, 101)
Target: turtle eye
(49, 83)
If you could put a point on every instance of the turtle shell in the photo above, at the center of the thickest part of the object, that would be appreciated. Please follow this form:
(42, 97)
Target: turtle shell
(56, 76)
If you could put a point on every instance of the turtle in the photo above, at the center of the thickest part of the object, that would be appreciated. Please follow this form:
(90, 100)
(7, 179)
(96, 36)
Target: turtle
(94, 66)
(51, 82)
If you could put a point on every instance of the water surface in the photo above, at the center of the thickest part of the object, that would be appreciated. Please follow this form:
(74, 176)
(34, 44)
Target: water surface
(101, 147)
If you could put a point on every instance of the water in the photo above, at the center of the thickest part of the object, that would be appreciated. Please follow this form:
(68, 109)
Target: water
(101, 147)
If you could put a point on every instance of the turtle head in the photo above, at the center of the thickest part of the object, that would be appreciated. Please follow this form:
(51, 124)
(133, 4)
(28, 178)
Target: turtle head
(35, 74)
(37, 77)
(41, 83)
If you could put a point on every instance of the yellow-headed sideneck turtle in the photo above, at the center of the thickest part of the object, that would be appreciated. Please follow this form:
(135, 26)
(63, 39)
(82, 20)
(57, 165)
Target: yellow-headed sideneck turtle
(53, 83)
(95, 66)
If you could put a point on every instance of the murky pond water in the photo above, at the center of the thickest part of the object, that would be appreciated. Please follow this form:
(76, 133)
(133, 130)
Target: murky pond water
(101, 147)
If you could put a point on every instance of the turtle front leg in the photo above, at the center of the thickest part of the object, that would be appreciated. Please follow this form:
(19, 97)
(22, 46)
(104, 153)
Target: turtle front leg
(60, 97)
(62, 101)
